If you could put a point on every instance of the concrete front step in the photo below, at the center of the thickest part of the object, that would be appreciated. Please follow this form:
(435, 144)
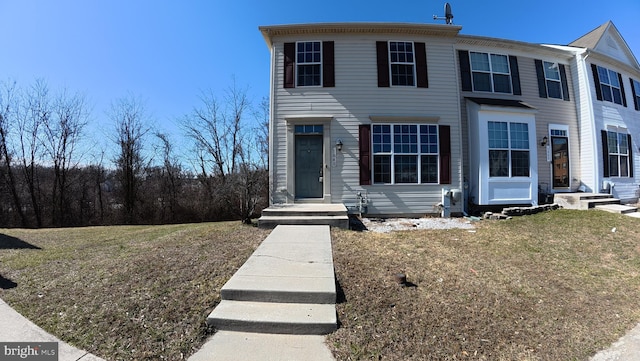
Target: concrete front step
(249, 346)
(583, 200)
(617, 208)
(277, 318)
(334, 215)
(333, 221)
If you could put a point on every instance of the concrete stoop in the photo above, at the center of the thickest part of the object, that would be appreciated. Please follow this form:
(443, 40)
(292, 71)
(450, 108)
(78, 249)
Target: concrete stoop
(583, 201)
(280, 300)
(334, 215)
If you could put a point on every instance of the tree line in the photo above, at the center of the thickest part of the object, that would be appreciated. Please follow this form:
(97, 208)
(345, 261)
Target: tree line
(47, 179)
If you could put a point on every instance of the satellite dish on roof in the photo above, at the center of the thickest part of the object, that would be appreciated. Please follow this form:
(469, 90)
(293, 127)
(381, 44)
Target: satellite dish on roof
(448, 15)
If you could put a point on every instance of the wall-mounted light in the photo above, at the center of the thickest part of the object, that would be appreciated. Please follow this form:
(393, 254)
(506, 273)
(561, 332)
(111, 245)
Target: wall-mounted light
(339, 145)
(544, 141)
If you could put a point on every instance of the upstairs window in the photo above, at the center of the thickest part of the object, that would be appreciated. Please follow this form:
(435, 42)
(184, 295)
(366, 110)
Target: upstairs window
(486, 72)
(509, 149)
(552, 80)
(635, 90)
(608, 85)
(308, 63)
(490, 72)
(402, 63)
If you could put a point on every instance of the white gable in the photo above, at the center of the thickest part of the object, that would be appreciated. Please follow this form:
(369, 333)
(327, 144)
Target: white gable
(613, 45)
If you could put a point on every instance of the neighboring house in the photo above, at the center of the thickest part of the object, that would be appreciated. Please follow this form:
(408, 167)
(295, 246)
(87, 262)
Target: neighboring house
(607, 77)
(403, 114)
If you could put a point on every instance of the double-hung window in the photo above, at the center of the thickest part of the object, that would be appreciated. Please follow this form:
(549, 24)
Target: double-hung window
(609, 85)
(618, 149)
(309, 63)
(405, 153)
(635, 88)
(552, 79)
(509, 149)
(490, 72)
(402, 63)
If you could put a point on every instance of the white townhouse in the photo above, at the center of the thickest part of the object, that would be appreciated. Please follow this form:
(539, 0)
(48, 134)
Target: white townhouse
(416, 117)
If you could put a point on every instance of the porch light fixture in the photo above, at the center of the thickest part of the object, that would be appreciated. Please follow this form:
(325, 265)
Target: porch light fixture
(339, 145)
(544, 141)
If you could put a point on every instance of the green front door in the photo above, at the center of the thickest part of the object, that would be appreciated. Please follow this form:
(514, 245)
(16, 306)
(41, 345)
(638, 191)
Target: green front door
(309, 166)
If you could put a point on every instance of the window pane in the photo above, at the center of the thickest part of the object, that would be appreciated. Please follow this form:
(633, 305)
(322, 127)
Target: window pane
(519, 163)
(309, 75)
(551, 71)
(428, 139)
(624, 166)
(429, 169)
(402, 74)
(480, 61)
(613, 165)
(382, 169)
(381, 138)
(502, 83)
(617, 96)
(482, 82)
(499, 64)
(623, 146)
(613, 79)
(498, 163)
(603, 74)
(405, 168)
(554, 89)
(612, 141)
(405, 138)
(606, 92)
(498, 136)
(519, 136)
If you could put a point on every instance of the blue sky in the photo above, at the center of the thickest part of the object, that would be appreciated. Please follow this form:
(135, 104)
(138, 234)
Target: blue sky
(167, 52)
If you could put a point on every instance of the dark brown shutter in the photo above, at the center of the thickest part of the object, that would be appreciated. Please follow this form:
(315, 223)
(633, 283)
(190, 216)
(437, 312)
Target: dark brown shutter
(445, 153)
(596, 80)
(465, 70)
(421, 65)
(636, 105)
(328, 67)
(542, 82)
(630, 155)
(624, 97)
(515, 75)
(289, 65)
(364, 142)
(382, 52)
(605, 153)
(563, 80)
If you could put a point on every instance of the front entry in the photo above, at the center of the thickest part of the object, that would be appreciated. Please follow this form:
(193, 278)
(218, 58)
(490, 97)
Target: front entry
(309, 166)
(560, 161)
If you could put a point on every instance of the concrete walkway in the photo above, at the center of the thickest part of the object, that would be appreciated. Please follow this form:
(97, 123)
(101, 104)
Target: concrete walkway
(280, 303)
(16, 328)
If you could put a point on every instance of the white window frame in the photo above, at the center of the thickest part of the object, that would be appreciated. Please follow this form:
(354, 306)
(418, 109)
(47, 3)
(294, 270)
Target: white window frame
(510, 148)
(620, 135)
(412, 63)
(556, 66)
(392, 152)
(491, 72)
(304, 63)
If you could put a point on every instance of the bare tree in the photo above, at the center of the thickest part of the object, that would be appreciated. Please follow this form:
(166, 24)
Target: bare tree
(7, 117)
(33, 112)
(170, 178)
(61, 134)
(129, 117)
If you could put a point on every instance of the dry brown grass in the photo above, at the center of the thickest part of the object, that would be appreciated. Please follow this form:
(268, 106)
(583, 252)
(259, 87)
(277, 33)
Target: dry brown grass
(554, 286)
(125, 293)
